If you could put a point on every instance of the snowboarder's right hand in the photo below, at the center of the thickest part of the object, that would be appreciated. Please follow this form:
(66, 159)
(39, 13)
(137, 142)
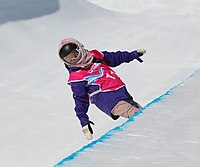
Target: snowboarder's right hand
(87, 131)
(141, 52)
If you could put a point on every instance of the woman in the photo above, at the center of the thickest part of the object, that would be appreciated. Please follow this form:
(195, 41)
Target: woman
(92, 79)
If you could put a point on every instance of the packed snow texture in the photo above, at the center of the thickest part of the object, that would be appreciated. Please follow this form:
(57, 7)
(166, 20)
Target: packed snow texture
(37, 122)
(163, 133)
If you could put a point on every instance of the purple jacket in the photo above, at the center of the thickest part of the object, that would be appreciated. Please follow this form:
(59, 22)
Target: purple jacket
(105, 101)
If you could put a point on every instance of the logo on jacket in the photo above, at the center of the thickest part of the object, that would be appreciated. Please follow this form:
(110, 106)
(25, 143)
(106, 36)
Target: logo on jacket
(92, 78)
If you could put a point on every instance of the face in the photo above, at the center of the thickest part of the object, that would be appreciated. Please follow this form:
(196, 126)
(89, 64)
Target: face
(70, 58)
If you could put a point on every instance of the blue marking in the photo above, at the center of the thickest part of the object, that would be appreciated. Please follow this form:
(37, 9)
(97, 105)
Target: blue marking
(92, 78)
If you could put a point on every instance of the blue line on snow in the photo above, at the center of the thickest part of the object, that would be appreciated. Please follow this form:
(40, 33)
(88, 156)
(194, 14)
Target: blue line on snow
(121, 127)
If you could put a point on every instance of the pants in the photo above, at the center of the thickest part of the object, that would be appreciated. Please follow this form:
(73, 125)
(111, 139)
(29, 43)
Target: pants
(126, 108)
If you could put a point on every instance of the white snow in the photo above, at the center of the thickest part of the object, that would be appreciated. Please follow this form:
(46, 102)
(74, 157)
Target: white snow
(37, 122)
(164, 133)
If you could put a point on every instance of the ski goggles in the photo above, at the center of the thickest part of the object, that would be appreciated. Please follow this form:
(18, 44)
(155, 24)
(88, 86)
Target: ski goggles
(72, 57)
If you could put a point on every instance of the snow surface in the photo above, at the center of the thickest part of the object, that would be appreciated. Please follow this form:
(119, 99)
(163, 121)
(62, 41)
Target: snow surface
(37, 122)
(163, 133)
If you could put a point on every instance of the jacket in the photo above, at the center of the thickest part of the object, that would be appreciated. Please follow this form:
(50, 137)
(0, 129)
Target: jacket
(99, 84)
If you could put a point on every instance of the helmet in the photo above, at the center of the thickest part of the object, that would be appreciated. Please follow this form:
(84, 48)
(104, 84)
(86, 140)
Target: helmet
(73, 53)
(67, 49)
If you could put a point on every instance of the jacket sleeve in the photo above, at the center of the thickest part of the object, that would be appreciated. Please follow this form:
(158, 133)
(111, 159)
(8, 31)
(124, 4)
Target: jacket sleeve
(81, 101)
(114, 59)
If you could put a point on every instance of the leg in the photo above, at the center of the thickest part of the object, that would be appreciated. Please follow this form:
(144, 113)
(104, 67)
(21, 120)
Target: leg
(126, 109)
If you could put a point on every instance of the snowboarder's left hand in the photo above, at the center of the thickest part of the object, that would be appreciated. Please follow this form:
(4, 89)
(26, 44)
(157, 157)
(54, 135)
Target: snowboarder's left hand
(87, 131)
(141, 52)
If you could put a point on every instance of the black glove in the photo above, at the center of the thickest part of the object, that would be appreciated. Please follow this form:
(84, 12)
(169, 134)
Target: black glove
(141, 52)
(88, 131)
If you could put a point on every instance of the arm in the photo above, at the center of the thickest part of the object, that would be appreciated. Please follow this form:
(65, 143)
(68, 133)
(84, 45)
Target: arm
(81, 101)
(114, 59)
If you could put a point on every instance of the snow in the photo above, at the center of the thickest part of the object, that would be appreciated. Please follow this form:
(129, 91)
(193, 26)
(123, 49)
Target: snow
(37, 123)
(161, 134)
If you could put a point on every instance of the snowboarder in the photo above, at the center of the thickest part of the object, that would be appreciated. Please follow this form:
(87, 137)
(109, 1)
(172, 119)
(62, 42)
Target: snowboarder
(92, 79)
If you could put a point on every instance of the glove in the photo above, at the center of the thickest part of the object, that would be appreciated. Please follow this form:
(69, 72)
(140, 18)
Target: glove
(141, 52)
(87, 131)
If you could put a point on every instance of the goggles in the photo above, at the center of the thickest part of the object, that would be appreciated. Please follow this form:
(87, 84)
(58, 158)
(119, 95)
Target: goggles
(72, 57)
